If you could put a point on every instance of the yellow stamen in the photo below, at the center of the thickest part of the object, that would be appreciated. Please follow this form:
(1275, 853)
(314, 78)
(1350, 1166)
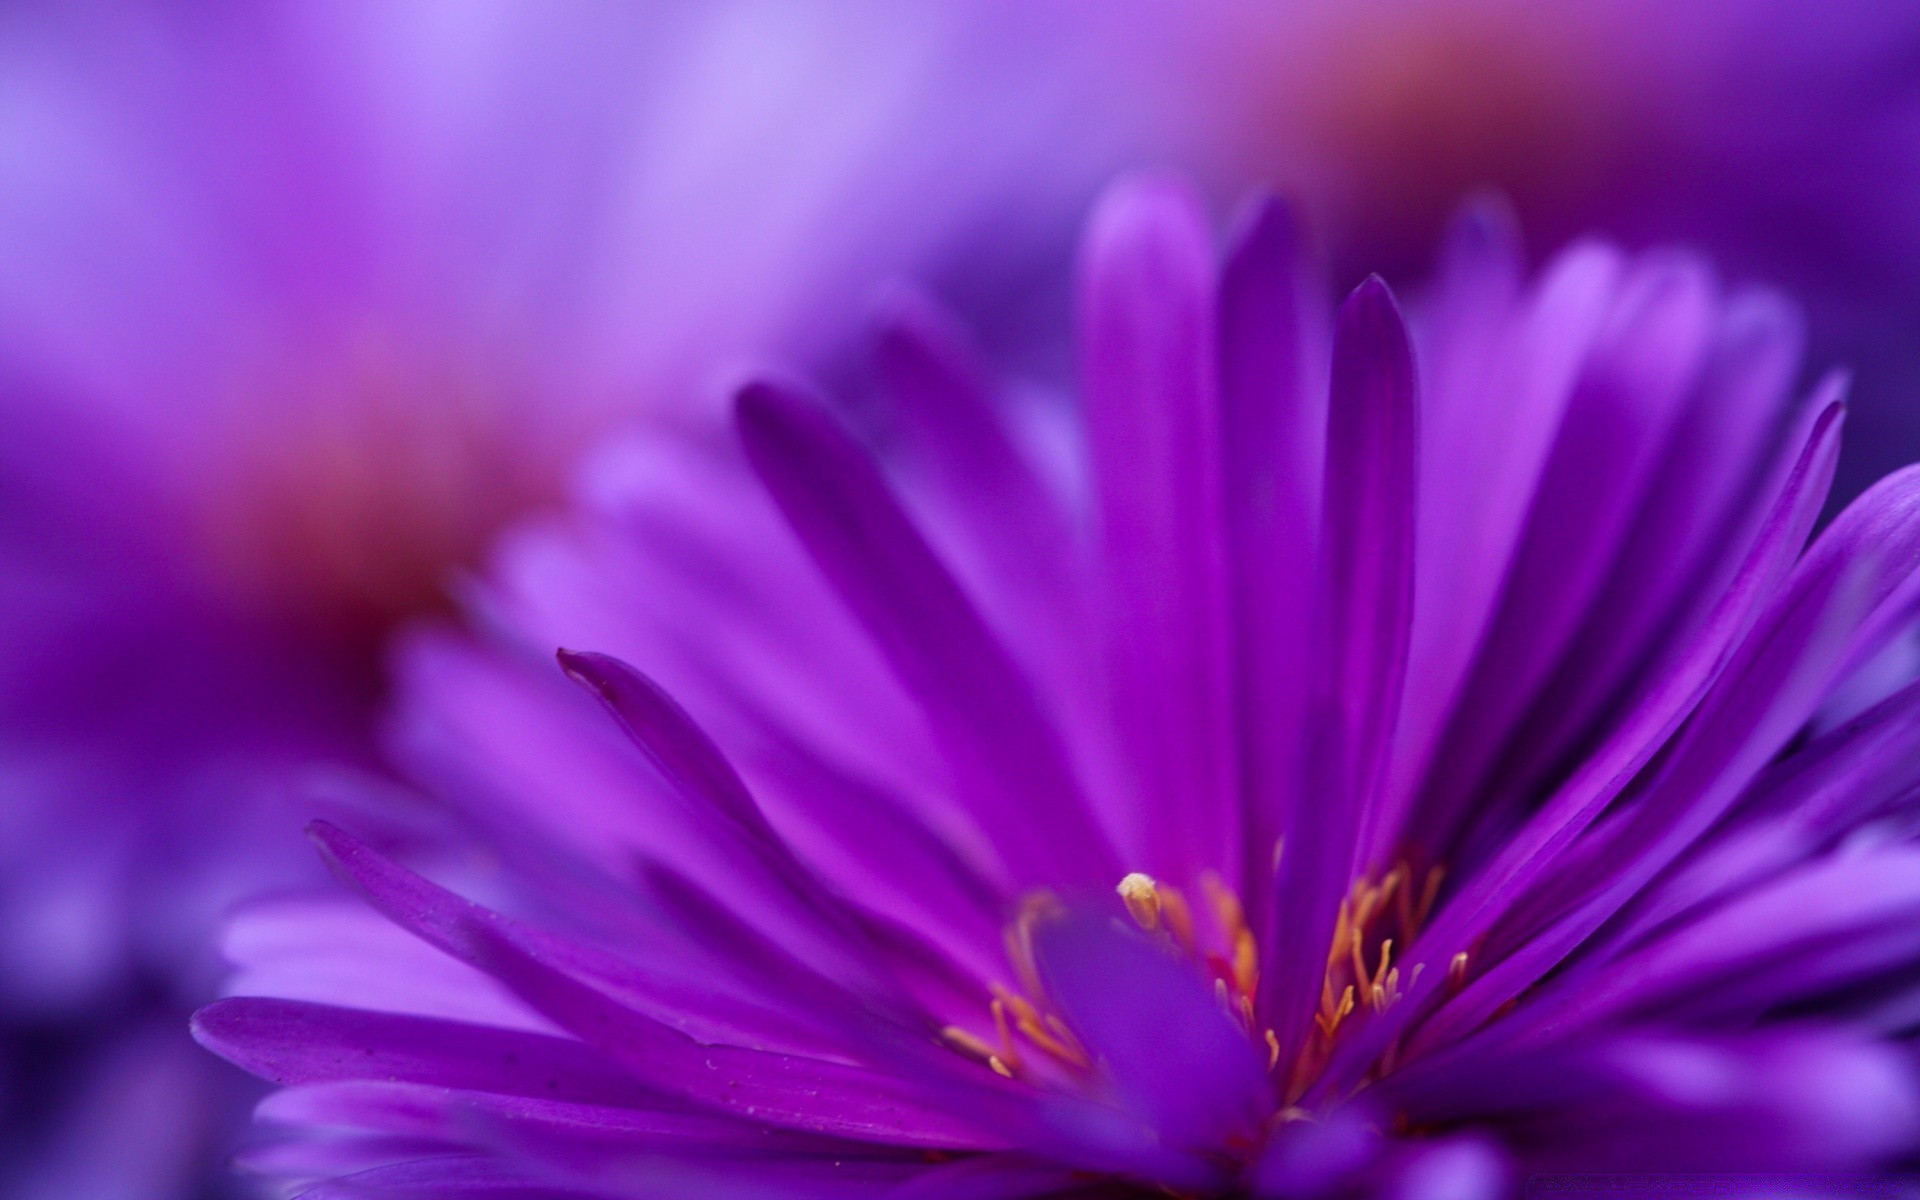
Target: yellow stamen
(1246, 963)
(1142, 898)
(966, 1042)
(1178, 916)
(1009, 1050)
(1428, 894)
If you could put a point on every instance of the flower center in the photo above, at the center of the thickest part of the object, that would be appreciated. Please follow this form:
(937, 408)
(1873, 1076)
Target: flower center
(352, 475)
(1027, 1038)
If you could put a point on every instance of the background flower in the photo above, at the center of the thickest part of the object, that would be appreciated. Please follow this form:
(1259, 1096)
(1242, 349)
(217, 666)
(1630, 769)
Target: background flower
(1782, 136)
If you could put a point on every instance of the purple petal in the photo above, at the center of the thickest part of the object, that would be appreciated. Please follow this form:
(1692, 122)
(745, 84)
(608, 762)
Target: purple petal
(1762, 950)
(990, 1177)
(1273, 438)
(680, 989)
(1170, 1052)
(1147, 344)
(291, 1042)
(1834, 784)
(1362, 623)
(1006, 533)
(442, 1177)
(1775, 683)
(1318, 1158)
(1463, 1168)
(669, 738)
(777, 1089)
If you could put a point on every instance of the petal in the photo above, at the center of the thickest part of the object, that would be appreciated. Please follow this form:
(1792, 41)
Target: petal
(337, 950)
(1763, 950)
(1319, 1158)
(1166, 1047)
(970, 482)
(682, 989)
(1802, 1100)
(1799, 807)
(1273, 437)
(570, 986)
(1147, 344)
(1362, 621)
(777, 1089)
(677, 747)
(1463, 1168)
(293, 1042)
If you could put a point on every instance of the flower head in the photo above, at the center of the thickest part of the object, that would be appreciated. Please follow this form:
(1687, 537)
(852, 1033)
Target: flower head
(1340, 754)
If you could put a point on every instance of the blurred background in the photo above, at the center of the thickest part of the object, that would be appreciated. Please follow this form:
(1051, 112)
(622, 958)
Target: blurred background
(303, 303)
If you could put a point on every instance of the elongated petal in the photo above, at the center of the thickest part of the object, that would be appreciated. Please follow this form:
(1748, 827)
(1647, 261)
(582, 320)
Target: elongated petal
(1273, 438)
(1147, 344)
(1770, 937)
(998, 516)
(670, 739)
(1362, 626)
(1799, 807)
(1712, 467)
(1806, 1099)
(294, 1042)
(1476, 490)
(462, 928)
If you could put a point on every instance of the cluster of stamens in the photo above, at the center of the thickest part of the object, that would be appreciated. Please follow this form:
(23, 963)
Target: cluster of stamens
(1376, 915)
(1021, 1022)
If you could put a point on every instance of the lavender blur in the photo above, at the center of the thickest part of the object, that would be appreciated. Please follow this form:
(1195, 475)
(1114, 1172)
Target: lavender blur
(1783, 136)
(300, 305)
(1339, 754)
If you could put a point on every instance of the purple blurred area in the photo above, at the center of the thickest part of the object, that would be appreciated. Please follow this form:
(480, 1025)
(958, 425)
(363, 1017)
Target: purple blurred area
(1782, 137)
(303, 303)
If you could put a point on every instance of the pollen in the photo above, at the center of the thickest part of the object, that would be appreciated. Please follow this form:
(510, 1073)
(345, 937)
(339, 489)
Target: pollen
(1142, 898)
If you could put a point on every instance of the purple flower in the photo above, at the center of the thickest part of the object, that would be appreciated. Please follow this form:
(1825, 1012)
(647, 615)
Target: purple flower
(1340, 755)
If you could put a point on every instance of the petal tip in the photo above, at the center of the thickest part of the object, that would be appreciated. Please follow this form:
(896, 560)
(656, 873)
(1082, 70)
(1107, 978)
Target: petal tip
(1158, 217)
